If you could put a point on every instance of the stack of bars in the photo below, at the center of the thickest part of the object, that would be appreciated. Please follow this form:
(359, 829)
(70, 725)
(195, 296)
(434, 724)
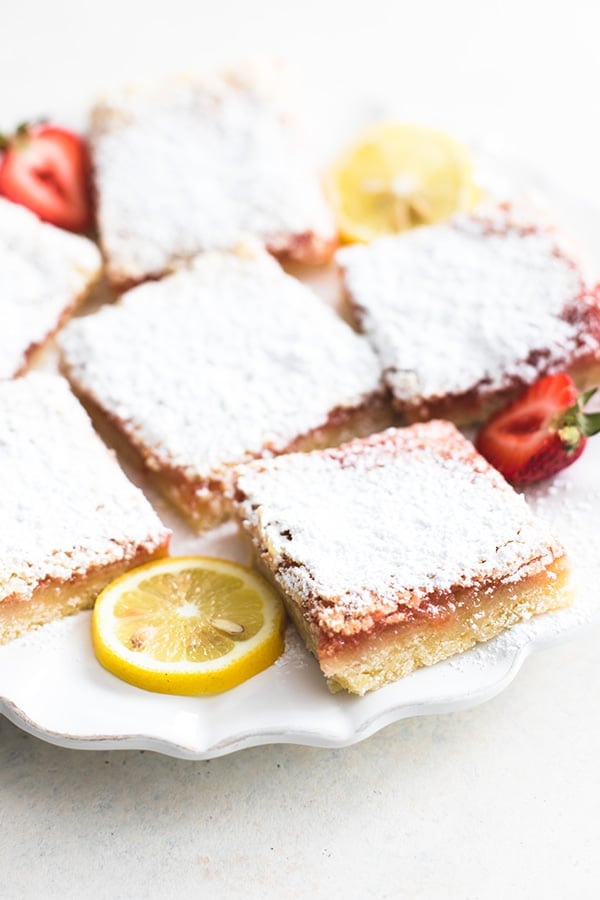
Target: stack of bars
(239, 392)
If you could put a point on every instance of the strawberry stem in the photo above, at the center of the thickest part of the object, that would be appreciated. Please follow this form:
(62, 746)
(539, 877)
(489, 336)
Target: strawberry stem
(570, 436)
(21, 133)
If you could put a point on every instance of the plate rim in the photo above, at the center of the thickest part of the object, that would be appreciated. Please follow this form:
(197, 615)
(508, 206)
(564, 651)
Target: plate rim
(367, 727)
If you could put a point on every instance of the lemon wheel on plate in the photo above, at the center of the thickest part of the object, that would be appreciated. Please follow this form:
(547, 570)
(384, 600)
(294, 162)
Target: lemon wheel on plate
(188, 625)
(396, 176)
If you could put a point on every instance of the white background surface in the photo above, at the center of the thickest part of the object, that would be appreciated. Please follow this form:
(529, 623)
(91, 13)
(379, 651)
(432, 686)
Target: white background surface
(499, 801)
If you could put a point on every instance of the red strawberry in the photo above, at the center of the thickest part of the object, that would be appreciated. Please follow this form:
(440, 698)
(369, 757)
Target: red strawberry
(47, 169)
(541, 432)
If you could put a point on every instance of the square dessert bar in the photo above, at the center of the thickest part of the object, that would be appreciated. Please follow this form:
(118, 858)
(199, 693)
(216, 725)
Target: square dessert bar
(397, 551)
(465, 314)
(227, 360)
(44, 274)
(70, 521)
(196, 164)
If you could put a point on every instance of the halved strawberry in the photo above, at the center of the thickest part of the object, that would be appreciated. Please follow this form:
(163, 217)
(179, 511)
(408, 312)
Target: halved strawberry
(541, 432)
(46, 168)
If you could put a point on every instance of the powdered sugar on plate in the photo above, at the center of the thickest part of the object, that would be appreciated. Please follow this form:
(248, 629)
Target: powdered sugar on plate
(295, 655)
(565, 502)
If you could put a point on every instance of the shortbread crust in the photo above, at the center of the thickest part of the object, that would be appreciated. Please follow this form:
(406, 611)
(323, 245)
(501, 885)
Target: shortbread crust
(227, 360)
(70, 521)
(44, 274)
(194, 164)
(465, 314)
(398, 550)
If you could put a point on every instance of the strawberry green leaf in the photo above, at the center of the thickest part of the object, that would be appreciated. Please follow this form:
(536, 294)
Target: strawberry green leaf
(586, 396)
(590, 423)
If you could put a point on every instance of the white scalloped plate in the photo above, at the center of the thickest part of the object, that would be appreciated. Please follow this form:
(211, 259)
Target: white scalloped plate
(52, 686)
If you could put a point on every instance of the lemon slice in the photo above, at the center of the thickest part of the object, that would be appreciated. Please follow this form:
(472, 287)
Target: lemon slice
(395, 176)
(188, 625)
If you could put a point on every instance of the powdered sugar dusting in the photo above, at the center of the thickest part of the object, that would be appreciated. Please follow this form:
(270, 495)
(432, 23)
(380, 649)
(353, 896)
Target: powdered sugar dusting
(295, 656)
(51, 640)
(227, 359)
(43, 270)
(197, 164)
(565, 502)
(386, 521)
(481, 302)
(65, 505)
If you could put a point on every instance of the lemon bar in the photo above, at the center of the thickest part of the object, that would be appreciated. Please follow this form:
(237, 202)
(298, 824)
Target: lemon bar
(194, 164)
(226, 360)
(70, 521)
(397, 551)
(44, 274)
(464, 315)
